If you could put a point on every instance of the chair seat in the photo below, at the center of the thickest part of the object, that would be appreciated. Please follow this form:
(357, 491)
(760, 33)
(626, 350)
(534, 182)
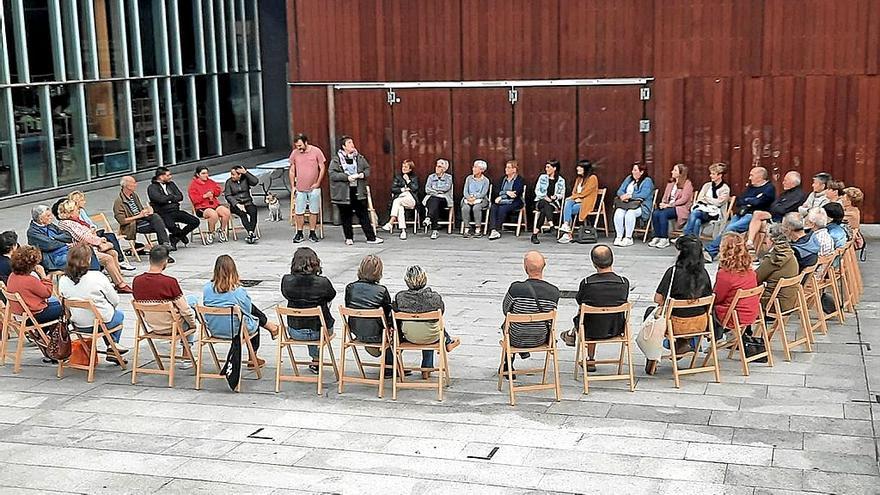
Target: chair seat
(411, 345)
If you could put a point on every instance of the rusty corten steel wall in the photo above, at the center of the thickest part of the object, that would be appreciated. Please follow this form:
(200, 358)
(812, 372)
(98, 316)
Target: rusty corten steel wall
(781, 83)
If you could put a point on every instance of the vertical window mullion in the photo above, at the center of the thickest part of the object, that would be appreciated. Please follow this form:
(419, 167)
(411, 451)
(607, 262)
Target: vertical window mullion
(256, 27)
(135, 26)
(161, 36)
(220, 15)
(169, 116)
(57, 40)
(74, 55)
(193, 116)
(230, 27)
(261, 126)
(91, 37)
(46, 117)
(21, 53)
(157, 121)
(4, 50)
(174, 36)
(242, 21)
(120, 38)
(129, 124)
(81, 128)
(210, 39)
(200, 37)
(249, 117)
(215, 105)
(8, 113)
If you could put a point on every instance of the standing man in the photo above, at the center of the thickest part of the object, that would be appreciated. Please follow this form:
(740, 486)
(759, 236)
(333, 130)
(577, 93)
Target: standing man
(165, 198)
(306, 174)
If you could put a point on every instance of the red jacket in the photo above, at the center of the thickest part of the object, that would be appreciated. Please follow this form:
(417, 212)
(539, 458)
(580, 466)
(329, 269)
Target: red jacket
(197, 190)
(33, 291)
(726, 285)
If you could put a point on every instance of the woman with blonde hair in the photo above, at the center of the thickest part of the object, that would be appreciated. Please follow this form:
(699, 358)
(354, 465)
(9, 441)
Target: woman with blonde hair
(711, 202)
(79, 198)
(367, 293)
(851, 200)
(734, 272)
(225, 291)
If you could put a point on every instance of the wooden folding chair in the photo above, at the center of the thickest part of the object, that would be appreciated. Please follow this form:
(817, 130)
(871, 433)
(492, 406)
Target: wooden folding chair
(151, 311)
(828, 278)
(521, 216)
(582, 360)
(809, 292)
(203, 232)
(708, 333)
(647, 228)
(100, 219)
(549, 348)
(759, 329)
(780, 317)
(22, 324)
(844, 276)
(718, 224)
(98, 330)
(307, 213)
(850, 265)
(349, 340)
(484, 222)
(443, 378)
(597, 212)
(285, 341)
(371, 212)
(207, 338)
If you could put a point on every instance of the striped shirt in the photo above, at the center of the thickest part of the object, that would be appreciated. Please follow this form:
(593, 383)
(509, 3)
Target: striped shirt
(132, 204)
(542, 297)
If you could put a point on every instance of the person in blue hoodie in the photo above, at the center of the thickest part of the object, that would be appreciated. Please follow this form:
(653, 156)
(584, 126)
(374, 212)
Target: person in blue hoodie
(632, 202)
(835, 219)
(758, 196)
(225, 291)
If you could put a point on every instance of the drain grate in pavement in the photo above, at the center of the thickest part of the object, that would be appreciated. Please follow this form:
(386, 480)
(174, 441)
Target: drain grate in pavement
(250, 282)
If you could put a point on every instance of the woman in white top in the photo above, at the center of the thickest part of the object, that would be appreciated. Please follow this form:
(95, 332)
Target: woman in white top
(78, 282)
(711, 202)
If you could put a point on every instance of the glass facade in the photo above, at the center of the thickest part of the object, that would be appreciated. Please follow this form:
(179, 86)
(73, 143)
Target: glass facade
(96, 88)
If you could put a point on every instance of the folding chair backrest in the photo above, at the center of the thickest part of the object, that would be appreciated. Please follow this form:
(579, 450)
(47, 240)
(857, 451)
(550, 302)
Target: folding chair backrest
(690, 303)
(586, 309)
(783, 283)
(101, 219)
(85, 305)
(741, 295)
(143, 309)
(314, 312)
(25, 318)
(234, 311)
(731, 202)
(400, 317)
(600, 200)
(529, 318)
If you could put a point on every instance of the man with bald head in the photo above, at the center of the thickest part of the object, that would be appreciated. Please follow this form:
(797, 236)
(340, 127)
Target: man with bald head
(530, 296)
(789, 200)
(134, 218)
(758, 196)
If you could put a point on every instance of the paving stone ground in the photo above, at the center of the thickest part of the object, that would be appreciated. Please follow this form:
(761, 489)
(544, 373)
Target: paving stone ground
(806, 426)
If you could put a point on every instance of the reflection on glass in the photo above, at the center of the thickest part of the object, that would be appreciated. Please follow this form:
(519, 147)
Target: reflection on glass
(256, 108)
(186, 18)
(233, 112)
(71, 37)
(7, 185)
(207, 117)
(11, 43)
(184, 139)
(39, 40)
(32, 140)
(108, 134)
(252, 39)
(108, 33)
(152, 37)
(66, 125)
(145, 150)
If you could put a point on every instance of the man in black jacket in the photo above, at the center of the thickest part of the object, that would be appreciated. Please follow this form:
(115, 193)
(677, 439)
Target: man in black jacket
(165, 198)
(602, 289)
(791, 197)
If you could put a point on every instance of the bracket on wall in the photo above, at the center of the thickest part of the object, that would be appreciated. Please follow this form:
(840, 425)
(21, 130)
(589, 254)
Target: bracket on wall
(391, 97)
(644, 125)
(645, 94)
(512, 96)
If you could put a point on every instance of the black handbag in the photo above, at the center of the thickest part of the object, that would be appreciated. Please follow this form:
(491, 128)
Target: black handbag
(232, 367)
(754, 346)
(632, 204)
(586, 234)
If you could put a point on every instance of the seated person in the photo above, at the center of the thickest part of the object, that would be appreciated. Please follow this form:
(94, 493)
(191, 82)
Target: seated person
(29, 280)
(817, 197)
(367, 293)
(133, 218)
(805, 246)
(835, 191)
(165, 198)
(790, 199)
(304, 287)
(475, 198)
(817, 221)
(601, 289)
(438, 195)
(582, 200)
(204, 195)
(224, 290)
(8, 244)
(419, 298)
(68, 213)
(530, 296)
(778, 263)
(675, 204)
(711, 203)
(79, 198)
(632, 203)
(734, 273)
(48, 238)
(851, 201)
(549, 193)
(238, 194)
(404, 196)
(78, 282)
(758, 196)
(153, 286)
(835, 228)
(508, 198)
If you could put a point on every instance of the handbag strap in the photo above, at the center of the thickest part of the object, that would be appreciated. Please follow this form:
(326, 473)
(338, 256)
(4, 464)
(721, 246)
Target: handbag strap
(537, 303)
(668, 292)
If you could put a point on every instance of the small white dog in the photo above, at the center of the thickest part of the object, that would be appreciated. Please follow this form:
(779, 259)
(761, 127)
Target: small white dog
(274, 208)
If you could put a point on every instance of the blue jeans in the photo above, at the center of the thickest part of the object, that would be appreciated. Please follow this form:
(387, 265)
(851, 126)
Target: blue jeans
(569, 210)
(118, 318)
(695, 223)
(737, 224)
(308, 334)
(52, 311)
(661, 221)
(427, 355)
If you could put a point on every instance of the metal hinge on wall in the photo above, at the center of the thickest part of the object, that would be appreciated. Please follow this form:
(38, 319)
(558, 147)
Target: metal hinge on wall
(645, 94)
(512, 96)
(644, 125)
(391, 97)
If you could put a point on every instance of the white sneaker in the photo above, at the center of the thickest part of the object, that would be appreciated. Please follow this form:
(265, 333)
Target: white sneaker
(209, 238)
(565, 239)
(494, 235)
(662, 244)
(426, 222)
(565, 227)
(618, 241)
(221, 236)
(402, 235)
(126, 266)
(388, 227)
(377, 240)
(349, 242)
(184, 364)
(653, 242)
(626, 241)
(434, 234)
(707, 257)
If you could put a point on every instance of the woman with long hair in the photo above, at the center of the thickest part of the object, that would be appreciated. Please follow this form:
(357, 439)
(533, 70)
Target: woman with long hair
(205, 194)
(225, 291)
(305, 287)
(674, 205)
(633, 202)
(734, 272)
(404, 196)
(549, 193)
(584, 192)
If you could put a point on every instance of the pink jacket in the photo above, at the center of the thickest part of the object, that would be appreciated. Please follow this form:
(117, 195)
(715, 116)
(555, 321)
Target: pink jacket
(682, 201)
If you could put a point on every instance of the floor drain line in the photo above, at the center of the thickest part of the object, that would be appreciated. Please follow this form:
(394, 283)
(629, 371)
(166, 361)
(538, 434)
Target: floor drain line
(866, 344)
(256, 435)
(484, 458)
(863, 401)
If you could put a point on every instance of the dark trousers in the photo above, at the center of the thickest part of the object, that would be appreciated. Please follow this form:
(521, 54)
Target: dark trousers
(248, 216)
(500, 213)
(263, 319)
(661, 221)
(173, 218)
(546, 211)
(51, 312)
(435, 207)
(359, 208)
(154, 224)
(112, 239)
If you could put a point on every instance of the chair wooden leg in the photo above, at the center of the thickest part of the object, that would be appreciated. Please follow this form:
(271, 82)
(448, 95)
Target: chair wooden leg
(671, 338)
(172, 360)
(629, 359)
(381, 370)
(558, 387)
(342, 366)
(19, 350)
(279, 363)
(93, 356)
(510, 377)
(321, 369)
(333, 360)
(200, 346)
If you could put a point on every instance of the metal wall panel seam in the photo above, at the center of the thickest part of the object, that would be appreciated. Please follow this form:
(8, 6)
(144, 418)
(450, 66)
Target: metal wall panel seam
(5, 77)
(135, 24)
(257, 51)
(232, 35)
(24, 72)
(174, 37)
(162, 37)
(13, 150)
(193, 116)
